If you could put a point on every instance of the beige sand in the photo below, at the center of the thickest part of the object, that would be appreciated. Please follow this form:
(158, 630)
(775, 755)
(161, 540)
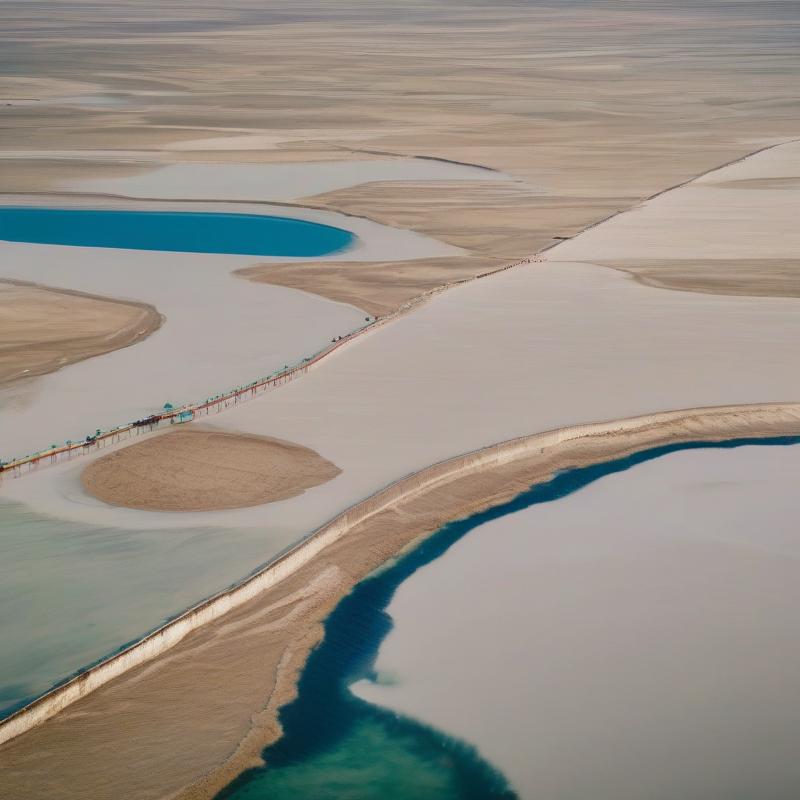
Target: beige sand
(744, 277)
(497, 219)
(43, 329)
(200, 470)
(186, 724)
(493, 221)
(39, 175)
(717, 234)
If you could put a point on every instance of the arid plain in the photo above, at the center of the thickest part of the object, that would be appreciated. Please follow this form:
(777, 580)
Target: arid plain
(452, 139)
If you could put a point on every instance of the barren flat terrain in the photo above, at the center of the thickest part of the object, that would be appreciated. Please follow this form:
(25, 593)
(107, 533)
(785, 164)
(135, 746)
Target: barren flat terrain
(584, 108)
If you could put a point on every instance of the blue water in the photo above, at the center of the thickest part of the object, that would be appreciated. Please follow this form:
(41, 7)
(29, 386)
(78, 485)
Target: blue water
(174, 231)
(336, 746)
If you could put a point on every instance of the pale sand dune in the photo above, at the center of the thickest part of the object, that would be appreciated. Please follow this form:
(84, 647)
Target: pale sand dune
(199, 470)
(195, 730)
(495, 218)
(496, 222)
(44, 329)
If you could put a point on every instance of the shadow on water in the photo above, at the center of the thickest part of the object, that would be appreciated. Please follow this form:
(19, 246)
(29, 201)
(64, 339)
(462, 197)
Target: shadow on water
(338, 746)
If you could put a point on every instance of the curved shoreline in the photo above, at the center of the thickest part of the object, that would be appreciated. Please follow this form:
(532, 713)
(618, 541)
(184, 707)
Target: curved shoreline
(172, 231)
(149, 321)
(309, 579)
(336, 699)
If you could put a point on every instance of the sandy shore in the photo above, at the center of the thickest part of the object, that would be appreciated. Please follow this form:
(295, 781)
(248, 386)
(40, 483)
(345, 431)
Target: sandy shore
(195, 731)
(200, 470)
(737, 277)
(379, 287)
(43, 329)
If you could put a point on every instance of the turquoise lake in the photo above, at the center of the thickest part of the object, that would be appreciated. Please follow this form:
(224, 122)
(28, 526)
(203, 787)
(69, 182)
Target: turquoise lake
(173, 231)
(336, 745)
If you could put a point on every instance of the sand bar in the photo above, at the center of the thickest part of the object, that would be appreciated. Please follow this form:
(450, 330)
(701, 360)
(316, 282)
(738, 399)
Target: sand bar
(751, 277)
(379, 287)
(199, 470)
(156, 709)
(44, 329)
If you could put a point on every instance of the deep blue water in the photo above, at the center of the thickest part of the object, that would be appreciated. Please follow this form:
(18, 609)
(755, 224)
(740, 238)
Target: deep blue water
(338, 747)
(174, 231)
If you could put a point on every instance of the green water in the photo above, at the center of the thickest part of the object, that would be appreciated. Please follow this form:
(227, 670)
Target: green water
(362, 766)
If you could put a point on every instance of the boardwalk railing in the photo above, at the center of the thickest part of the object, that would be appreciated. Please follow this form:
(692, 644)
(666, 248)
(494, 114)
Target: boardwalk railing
(214, 405)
